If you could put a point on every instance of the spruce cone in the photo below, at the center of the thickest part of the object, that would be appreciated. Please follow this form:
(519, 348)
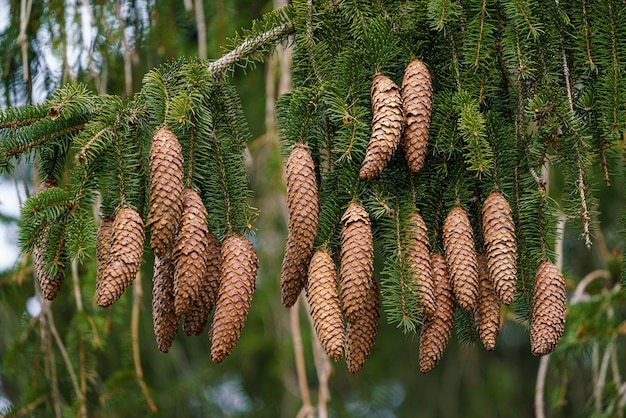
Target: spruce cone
(104, 240)
(487, 311)
(164, 316)
(324, 304)
(361, 335)
(437, 330)
(166, 187)
(124, 257)
(387, 123)
(419, 262)
(303, 203)
(417, 100)
(237, 283)
(500, 244)
(548, 317)
(458, 241)
(190, 253)
(196, 321)
(357, 260)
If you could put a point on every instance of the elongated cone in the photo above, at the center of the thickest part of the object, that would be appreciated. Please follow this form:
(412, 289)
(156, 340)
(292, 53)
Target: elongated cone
(417, 101)
(50, 284)
(166, 188)
(418, 255)
(104, 239)
(357, 260)
(361, 335)
(124, 259)
(487, 311)
(303, 204)
(458, 241)
(548, 316)
(437, 330)
(196, 320)
(237, 284)
(164, 315)
(501, 246)
(387, 123)
(324, 305)
(190, 253)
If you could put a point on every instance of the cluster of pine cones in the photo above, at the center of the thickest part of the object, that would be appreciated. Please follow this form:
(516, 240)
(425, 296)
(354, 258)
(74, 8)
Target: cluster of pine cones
(477, 281)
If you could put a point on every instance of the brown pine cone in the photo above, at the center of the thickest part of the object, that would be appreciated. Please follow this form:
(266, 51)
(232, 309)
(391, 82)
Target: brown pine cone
(237, 284)
(357, 260)
(196, 320)
(124, 257)
(418, 256)
(387, 123)
(190, 253)
(417, 100)
(458, 241)
(361, 335)
(548, 316)
(166, 188)
(104, 239)
(324, 305)
(487, 311)
(303, 204)
(437, 330)
(501, 246)
(164, 315)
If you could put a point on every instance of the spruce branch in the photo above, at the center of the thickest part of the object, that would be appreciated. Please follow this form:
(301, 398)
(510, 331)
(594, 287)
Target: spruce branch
(250, 46)
(12, 152)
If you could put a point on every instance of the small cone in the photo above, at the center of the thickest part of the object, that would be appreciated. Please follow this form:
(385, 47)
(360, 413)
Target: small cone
(166, 187)
(124, 257)
(387, 123)
(501, 246)
(548, 316)
(324, 305)
(196, 321)
(237, 284)
(190, 253)
(458, 241)
(487, 311)
(418, 255)
(357, 260)
(437, 330)
(361, 335)
(164, 316)
(303, 204)
(417, 101)
(104, 239)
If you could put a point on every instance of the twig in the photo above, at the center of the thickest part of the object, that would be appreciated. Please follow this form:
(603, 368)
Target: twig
(307, 409)
(28, 408)
(134, 331)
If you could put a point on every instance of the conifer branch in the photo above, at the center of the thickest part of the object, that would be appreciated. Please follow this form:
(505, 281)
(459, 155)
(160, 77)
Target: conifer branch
(81, 156)
(483, 13)
(40, 141)
(250, 46)
(586, 28)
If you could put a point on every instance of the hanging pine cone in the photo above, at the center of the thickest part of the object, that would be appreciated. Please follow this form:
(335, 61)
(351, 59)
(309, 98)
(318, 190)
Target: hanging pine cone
(361, 335)
(487, 311)
(437, 330)
(190, 252)
(418, 256)
(324, 305)
(387, 123)
(124, 257)
(196, 320)
(417, 100)
(548, 315)
(237, 283)
(357, 260)
(166, 187)
(501, 246)
(104, 239)
(164, 315)
(458, 241)
(303, 204)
